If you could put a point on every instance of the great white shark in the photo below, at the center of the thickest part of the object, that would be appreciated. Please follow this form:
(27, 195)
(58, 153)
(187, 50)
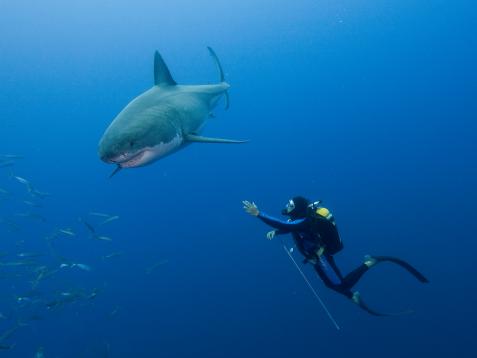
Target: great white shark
(162, 120)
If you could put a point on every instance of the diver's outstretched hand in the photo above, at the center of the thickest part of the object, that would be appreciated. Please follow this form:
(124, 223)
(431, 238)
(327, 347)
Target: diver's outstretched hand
(271, 234)
(250, 208)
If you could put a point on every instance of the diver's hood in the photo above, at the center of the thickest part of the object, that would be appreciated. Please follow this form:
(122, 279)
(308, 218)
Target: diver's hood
(296, 207)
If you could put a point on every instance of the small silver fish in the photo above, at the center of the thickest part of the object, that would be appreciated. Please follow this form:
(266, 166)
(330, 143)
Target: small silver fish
(103, 238)
(156, 265)
(39, 194)
(90, 227)
(114, 312)
(19, 263)
(83, 267)
(93, 213)
(108, 220)
(72, 265)
(112, 254)
(67, 231)
(32, 204)
(11, 156)
(22, 180)
(93, 294)
(29, 254)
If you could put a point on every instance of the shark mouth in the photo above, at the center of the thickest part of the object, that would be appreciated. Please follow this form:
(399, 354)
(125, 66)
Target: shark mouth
(147, 155)
(135, 161)
(127, 160)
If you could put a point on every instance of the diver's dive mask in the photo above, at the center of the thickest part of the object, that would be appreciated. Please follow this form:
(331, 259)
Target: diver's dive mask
(289, 207)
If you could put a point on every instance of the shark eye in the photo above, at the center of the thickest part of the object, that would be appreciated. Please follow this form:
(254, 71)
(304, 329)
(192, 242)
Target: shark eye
(131, 143)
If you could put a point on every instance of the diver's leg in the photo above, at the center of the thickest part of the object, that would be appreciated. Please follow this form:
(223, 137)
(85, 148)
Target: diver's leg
(331, 278)
(354, 276)
(334, 266)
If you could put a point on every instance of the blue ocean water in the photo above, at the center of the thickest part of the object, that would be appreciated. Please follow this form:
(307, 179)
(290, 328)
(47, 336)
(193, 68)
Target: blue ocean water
(369, 106)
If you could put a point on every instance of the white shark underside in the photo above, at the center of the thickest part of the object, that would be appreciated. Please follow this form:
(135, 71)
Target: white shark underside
(161, 120)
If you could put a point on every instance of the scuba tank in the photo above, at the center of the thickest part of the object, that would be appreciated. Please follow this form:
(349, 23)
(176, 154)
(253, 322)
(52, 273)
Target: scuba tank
(324, 227)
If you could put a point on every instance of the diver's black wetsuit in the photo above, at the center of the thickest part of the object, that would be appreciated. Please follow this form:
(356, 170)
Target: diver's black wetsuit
(307, 243)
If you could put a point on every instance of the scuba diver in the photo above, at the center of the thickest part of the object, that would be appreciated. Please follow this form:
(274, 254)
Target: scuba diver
(316, 236)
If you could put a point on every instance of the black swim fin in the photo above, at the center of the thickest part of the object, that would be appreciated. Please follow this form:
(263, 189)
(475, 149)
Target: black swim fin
(412, 270)
(359, 301)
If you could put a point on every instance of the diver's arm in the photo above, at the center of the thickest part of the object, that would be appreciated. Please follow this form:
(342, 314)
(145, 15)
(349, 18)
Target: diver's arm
(282, 226)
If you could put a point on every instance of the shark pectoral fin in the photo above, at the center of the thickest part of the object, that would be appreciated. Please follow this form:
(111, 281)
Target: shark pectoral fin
(200, 139)
(162, 75)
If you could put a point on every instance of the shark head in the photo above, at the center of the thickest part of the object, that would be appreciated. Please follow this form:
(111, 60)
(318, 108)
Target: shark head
(144, 131)
(131, 142)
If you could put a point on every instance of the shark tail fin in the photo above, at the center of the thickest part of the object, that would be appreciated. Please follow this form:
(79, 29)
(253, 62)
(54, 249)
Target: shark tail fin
(221, 74)
(162, 75)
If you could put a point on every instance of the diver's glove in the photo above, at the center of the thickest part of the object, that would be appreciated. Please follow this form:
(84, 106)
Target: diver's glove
(250, 208)
(271, 234)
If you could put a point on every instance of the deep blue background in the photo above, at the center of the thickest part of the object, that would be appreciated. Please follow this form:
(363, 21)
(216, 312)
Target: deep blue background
(370, 106)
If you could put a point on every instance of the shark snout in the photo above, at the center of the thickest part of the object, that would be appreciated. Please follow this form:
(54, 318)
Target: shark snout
(113, 157)
(109, 154)
(108, 157)
(104, 152)
(105, 159)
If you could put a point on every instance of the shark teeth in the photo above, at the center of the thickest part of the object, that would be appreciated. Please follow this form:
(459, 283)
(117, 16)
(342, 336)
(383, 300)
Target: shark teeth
(134, 161)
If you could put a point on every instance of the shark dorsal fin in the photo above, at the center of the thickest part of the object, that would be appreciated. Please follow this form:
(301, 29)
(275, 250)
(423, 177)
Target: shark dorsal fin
(162, 76)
